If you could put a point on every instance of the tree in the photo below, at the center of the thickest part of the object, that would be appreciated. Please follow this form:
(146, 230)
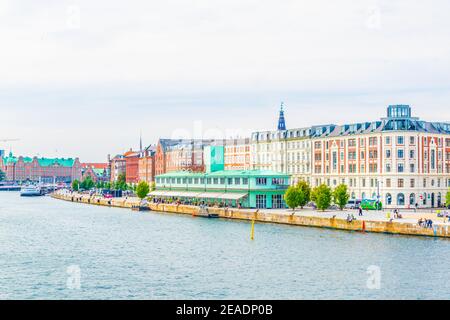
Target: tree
(322, 196)
(341, 196)
(447, 199)
(87, 183)
(304, 191)
(75, 185)
(292, 198)
(2, 175)
(153, 186)
(121, 183)
(142, 189)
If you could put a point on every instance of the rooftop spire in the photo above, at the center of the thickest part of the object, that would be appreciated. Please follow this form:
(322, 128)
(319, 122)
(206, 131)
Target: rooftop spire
(281, 120)
(140, 141)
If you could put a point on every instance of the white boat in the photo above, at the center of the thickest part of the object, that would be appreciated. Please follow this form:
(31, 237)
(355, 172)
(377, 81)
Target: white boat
(31, 191)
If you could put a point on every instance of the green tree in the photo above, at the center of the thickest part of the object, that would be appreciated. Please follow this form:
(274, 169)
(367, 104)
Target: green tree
(142, 189)
(341, 196)
(121, 183)
(292, 198)
(304, 191)
(322, 196)
(153, 186)
(447, 199)
(2, 175)
(75, 185)
(87, 183)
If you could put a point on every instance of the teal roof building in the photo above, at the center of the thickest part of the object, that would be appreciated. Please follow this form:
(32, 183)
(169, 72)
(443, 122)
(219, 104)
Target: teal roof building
(242, 188)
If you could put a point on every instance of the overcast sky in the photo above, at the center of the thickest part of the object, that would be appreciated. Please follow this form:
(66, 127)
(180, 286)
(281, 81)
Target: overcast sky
(83, 78)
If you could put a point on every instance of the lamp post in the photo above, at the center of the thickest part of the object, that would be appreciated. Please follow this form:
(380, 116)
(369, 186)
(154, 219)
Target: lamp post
(378, 193)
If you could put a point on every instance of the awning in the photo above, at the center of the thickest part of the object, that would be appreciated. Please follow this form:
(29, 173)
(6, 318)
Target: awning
(232, 196)
(174, 194)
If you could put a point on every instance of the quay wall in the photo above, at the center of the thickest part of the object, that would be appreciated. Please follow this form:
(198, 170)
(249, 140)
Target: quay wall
(402, 228)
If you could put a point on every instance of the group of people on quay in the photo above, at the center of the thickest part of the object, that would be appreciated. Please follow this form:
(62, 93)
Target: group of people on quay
(192, 202)
(425, 223)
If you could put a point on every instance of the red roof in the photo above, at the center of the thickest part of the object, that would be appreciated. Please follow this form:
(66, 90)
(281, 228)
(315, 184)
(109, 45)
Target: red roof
(95, 165)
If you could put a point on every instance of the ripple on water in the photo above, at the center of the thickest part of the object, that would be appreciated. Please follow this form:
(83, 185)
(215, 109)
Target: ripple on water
(124, 255)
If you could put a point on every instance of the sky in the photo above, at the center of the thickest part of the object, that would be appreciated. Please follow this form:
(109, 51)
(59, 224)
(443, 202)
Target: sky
(85, 78)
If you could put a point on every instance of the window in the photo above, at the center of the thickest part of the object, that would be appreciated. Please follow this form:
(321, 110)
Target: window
(388, 140)
(412, 140)
(261, 200)
(388, 153)
(400, 168)
(412, 168)
(230, 181)
(388, 183)
(277, 201)
(352, 142)
(278, 181)
(245, 181)
(261, 181)
(401, 199)
(400, 140)
(412, 154)
(216, 180)
(388, 199)
(208, 181)
(237, 181)
(433, 159)
(400, 154)
(401, 183)
(388, 167)
(412, 199)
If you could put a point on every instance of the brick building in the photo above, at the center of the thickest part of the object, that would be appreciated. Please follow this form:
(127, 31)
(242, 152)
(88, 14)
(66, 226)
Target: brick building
(147, 165)
(45, 170)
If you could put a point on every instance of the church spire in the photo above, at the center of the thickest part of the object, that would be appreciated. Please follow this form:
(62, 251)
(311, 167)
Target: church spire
(281, 121)
(140, 142)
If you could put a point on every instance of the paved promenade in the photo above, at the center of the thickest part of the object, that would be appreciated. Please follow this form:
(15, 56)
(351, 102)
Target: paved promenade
(408, 216)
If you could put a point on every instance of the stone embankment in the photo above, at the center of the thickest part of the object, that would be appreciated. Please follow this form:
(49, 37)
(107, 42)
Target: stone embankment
(390, 227)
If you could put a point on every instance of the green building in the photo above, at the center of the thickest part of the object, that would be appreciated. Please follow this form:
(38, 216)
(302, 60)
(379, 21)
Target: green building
(247, 188)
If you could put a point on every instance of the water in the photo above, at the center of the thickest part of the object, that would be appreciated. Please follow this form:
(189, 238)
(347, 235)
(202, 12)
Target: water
(128, 255)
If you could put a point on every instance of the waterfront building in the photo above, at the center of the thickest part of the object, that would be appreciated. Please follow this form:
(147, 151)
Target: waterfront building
(176, 155)
(99, 172)
(400, 159)
(245, 188)
(147, 165)
(117, 167)
(44, 170)
(132, 166)
(283, 150)
(237, 154)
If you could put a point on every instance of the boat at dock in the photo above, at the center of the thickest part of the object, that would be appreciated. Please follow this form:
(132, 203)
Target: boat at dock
(31, 191)
(204, 212)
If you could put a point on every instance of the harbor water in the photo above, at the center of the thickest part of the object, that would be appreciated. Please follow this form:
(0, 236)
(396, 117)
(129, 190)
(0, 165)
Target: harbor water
(52, 249)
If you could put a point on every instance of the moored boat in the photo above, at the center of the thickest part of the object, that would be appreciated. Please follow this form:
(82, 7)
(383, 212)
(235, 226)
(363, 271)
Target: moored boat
(31, 191)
